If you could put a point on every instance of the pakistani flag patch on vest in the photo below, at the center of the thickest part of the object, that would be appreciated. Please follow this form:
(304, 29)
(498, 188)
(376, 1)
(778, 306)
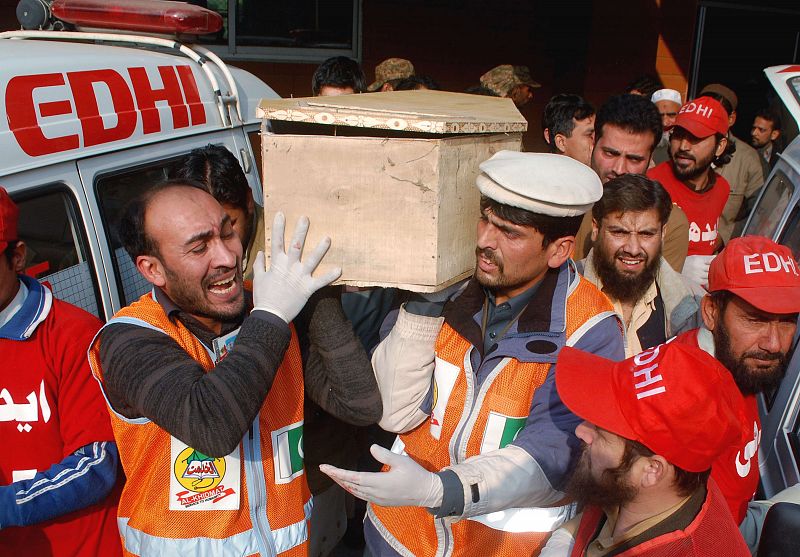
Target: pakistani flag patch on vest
(500, 431)
(287, 446)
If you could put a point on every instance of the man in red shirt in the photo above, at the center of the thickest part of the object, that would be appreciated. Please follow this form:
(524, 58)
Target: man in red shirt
(59, 461)
(643, 474)
(750, 318)
(698, 137)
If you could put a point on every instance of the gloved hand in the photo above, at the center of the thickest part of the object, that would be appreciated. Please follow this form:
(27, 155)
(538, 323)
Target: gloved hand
(695, 269)
(405, 484)
(285, 288)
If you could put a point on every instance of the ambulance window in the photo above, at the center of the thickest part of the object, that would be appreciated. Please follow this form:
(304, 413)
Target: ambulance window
(767, 214)
(791, 236)
(57, 253)
(113, 192)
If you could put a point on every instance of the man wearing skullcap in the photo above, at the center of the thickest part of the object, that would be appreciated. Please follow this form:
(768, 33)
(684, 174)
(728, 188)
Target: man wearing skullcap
(468, 381)
(668, 102)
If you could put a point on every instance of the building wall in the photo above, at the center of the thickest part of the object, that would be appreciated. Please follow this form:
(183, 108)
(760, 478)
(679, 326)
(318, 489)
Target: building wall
(594, 48)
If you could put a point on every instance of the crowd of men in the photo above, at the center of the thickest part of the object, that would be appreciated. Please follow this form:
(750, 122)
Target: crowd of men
(590, 390)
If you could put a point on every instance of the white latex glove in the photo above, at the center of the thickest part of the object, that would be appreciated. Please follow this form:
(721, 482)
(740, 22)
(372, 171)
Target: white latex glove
(405, 484)
(285, 288)
(695, 269)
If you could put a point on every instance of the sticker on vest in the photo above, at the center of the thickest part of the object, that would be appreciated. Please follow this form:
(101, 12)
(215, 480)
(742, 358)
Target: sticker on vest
(224, 344)
(200, 482)
(444, 379)
(287, 452)
(500, 431)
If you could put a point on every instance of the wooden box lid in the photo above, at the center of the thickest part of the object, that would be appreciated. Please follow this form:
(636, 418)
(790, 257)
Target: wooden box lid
(438, 112)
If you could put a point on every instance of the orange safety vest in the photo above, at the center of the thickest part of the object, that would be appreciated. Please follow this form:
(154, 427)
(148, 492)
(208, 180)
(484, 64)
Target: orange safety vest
(274, 501)
(712, 533)
(460, 428)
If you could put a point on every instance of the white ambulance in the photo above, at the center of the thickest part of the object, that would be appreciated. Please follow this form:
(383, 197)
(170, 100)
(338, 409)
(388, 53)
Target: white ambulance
(88, 118)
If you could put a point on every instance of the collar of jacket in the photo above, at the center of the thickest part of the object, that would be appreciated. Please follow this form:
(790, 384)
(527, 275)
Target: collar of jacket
(540, 332)
(35, 310)
(680, 305)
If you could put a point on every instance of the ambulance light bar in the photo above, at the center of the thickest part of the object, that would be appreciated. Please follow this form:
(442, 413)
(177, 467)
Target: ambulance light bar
(147, 16)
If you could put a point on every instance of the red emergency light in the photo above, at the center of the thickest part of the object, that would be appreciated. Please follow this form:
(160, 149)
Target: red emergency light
(147, 16)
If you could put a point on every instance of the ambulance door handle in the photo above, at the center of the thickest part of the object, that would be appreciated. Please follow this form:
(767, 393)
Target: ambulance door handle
(247, 164)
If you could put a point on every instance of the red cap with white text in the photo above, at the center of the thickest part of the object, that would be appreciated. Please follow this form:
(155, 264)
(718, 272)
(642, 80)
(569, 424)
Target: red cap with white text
(675, 399)
(702, 117)
(761, 272)
(9, 213)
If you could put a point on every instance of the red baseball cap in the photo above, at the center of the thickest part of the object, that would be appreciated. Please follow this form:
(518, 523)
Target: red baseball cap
(675, 399)
(9, 214)
(702, 117)
(764, 274)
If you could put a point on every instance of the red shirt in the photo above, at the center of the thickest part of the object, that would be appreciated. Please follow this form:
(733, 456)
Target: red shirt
(702, 209)
(52, 406)
(736, 471)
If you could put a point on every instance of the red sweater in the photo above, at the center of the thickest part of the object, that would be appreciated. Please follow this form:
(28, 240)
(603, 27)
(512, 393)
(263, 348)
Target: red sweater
(703, 210)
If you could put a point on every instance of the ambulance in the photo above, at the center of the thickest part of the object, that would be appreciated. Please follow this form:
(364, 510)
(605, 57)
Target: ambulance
(91, 116)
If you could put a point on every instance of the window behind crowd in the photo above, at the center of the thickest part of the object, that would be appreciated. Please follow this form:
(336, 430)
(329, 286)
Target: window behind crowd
(767, 214)
(57, 252)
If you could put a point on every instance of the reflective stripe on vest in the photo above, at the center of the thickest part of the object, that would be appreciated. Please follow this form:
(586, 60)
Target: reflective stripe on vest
(244, 543)
(528, 519)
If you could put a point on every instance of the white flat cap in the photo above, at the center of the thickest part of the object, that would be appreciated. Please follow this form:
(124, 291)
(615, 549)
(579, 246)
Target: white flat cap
(666, 95)
(543, 183)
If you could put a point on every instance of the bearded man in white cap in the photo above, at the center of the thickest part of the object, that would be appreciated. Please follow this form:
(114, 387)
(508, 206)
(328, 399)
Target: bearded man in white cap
(485, 441)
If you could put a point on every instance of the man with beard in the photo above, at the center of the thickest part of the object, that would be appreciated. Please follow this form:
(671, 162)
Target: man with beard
(485, 442)
(749, 322)
(698, 137)
(643, 475)
(627, 129)
(206, 400)
(626, 263)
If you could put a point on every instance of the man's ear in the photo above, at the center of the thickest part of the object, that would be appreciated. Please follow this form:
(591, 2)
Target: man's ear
(18, 257)
(546, 134)
(655, 470)
(595, 229)
(559, 251)
(152, 269)
(774, 134)
(721, 146)
(561, 142)
(709, 312)
(732, 119)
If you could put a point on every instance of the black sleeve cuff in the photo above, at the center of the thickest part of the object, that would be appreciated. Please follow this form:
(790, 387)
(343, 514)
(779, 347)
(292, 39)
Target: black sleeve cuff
(452, 495)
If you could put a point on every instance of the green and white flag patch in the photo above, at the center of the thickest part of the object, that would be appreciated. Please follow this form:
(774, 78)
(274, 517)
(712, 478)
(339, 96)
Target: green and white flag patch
(287, 446)
(500, 431)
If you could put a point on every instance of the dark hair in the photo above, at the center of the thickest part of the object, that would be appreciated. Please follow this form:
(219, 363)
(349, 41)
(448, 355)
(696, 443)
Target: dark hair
(551, 228)
(727, 154)
(339, 71)
(560, 115)
(726, 104)
(480, 90)
(131, 229)
(9, 251)
(219, 170)
(646, 84)
(632, 113)
(685, 482)
(633, 192)
(721, 298)
(771, 116)
(417, 82)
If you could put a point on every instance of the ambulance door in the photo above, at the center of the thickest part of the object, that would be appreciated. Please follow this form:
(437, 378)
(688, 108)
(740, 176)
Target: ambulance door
(61, 248)
(113, 179)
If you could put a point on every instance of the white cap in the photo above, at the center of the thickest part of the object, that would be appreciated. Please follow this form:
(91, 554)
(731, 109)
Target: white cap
(667, 95)
(543, 183)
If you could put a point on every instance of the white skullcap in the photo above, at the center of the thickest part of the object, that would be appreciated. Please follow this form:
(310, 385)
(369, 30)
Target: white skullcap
(543, 183)
(666, 95)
